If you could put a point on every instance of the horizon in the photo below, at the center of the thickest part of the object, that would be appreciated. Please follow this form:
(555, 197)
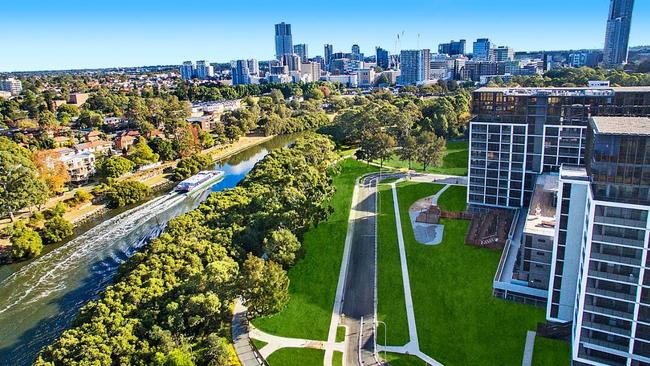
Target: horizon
(101, 35)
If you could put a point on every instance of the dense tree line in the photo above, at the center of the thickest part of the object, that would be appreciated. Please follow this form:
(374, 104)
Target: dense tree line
(569, 77)
(171, 302)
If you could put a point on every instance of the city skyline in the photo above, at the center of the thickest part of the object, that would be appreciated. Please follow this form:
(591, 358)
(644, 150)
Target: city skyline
(83, 35)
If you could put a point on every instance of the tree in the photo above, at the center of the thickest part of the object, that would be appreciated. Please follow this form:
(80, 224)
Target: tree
(219, 352)
(56, 229)
(179, 357)
(265, 286)
(191, 165)
(20, 187)
(90, 119)
(114, 167)
(378, 146)
(431, 150)
(25, 242)
(186, 140)
(141, 154)
(233, 133)
(164, 149)
(126, 193)
(51, 170)
(281, 246)
(409, 150)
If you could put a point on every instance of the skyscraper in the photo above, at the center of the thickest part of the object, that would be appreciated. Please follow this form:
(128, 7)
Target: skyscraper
(302, 51)
(187, 70)
(414, 66)
(240, 73)
(253, 66)
(382, 58)
(482, 49)
(617, 33)
(283, 42)
(504, 53)
(452, 48)
(329, 50)
(204, 70)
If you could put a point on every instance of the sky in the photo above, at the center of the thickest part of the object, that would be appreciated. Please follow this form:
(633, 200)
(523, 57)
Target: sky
(53, 35)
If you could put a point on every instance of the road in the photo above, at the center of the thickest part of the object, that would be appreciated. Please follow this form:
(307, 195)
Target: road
(359, 290)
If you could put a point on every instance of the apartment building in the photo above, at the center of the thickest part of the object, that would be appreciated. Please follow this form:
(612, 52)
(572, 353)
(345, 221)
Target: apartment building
(574, 163)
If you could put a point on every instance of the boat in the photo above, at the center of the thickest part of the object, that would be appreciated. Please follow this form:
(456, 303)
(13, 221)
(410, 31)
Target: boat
(199, 181)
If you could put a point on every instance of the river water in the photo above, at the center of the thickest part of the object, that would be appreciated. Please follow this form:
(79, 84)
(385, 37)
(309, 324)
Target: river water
(40, 298)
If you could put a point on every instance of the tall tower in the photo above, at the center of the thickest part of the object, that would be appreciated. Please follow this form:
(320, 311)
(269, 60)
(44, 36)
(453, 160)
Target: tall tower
(329, 49)
(283, 42)
(617, 33)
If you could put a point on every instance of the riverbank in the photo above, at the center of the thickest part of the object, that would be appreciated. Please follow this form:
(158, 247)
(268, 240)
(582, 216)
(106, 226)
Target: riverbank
(156, 179)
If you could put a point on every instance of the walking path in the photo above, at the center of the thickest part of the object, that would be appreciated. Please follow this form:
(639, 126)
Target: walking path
(528, 350)
(413, 346)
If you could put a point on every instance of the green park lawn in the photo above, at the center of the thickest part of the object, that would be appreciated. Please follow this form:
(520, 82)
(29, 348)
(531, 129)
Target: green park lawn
(314, 278)
(296, 357)
(337, 358)
(454, 163)
(551, 352)
(258, 344)
(396, 359)
(453, 199)
(459, 321)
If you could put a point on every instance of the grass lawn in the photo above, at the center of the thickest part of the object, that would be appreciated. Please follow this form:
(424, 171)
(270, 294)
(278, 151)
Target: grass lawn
(391, 306)
(337, 358)
(296, 357)
(459, 321)
(551, 352)
(454, 163)
(258, 344)
(396, 359)
(453, 199)
(340, 334)
(314, 278)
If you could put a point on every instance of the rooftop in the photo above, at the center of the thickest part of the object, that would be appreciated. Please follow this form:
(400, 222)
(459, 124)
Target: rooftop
(564, 91)
(541, 212)
(621, 125)
(573, 172)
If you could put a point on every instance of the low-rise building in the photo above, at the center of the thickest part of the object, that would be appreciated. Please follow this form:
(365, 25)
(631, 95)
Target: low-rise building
(78, 99)
(81, 166)
(97, 147)
(11, 85)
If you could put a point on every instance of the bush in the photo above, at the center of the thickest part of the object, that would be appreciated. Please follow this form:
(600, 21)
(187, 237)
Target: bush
(56, 229)
(125, 193)
(25, 242)
(57, 210)
(80, 197)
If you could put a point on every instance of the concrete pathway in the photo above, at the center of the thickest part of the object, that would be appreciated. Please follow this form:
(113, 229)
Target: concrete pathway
(427, 234)
(413, 346)
(528, 350)
(241, 339)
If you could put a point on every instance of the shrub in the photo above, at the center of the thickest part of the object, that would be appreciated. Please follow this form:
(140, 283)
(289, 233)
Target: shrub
(56, 229)
(25, 242)
(81, 196)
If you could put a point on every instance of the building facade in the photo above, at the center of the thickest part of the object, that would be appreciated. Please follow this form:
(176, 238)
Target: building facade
(414, 67)
(617, 33)
(241, 73)
(503, 53)
(283, 40)
(576, 164)
(328, 51)
(11, 85)
(481, 50)
(382, 58)
(452, 48)
(302, 51)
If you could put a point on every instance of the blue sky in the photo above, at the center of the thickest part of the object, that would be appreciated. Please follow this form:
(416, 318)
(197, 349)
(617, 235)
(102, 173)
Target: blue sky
(46, 34)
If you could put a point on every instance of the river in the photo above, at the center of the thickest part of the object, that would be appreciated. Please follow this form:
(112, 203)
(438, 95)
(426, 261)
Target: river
(41, 297)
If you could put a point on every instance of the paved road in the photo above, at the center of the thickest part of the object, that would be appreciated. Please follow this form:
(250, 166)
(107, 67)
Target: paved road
(359, 290)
